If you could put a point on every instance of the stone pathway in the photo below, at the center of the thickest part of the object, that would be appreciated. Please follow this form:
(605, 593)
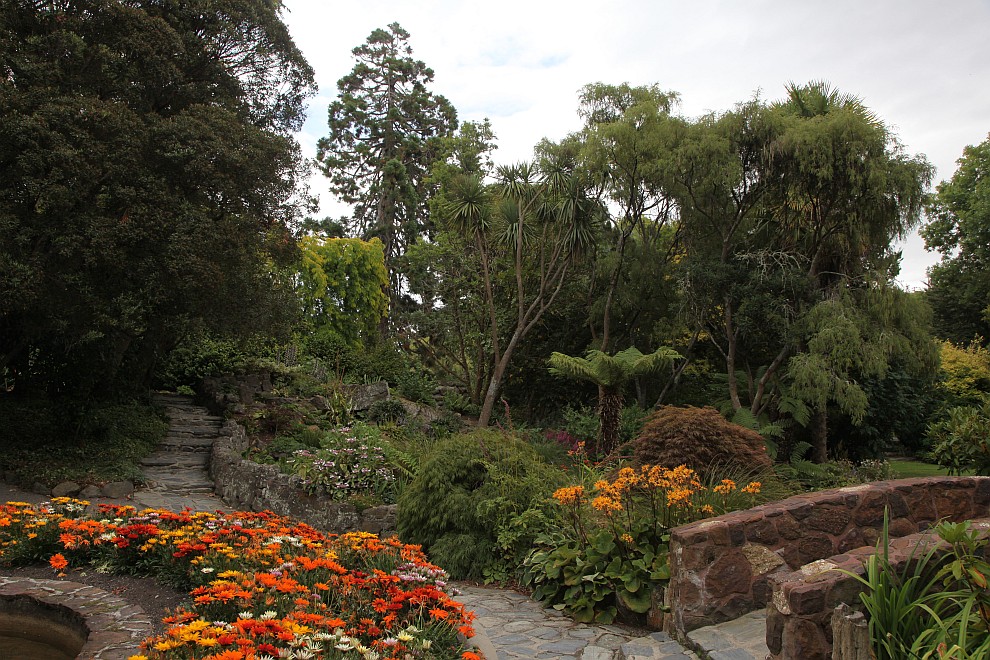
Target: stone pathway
(509, 626)
(744, 638)
(177, 474)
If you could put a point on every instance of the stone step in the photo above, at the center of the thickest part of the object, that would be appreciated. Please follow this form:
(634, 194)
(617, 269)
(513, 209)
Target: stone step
(196, 420)
(657, 646)
(744, 638)
(198, 459)
(188, 441)
(193, 430)
(181, 480)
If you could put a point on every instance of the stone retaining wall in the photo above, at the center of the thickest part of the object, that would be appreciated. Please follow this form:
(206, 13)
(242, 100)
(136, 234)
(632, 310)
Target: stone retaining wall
(800, 614)
(721, 567)
(247, 485)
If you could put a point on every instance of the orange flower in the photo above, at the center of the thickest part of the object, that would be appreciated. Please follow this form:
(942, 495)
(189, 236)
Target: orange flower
(470, 655)
(58, 562)
(568, 494)
(753, 488)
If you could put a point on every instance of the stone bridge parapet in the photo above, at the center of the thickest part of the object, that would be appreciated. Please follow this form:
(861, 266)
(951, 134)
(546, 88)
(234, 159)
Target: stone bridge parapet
(721, 568)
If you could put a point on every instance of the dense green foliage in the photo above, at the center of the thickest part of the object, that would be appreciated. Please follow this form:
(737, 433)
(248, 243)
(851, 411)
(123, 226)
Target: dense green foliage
(961, 439)
(472, 500)
(49, 442)
(959, 228)
(342, 286)
(930, 606)
(149, 175)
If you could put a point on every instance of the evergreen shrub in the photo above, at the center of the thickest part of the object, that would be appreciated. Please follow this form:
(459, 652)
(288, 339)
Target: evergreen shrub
(475, 503)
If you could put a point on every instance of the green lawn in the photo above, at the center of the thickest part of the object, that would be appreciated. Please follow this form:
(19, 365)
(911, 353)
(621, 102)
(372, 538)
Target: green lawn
(905, 469)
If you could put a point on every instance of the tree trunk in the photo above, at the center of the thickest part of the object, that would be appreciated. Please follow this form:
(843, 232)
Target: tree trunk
(495, 382)
(610, 416)
(730, 357)
(819, 435)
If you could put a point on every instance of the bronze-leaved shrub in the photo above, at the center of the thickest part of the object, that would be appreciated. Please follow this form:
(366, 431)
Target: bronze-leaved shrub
(698, 438)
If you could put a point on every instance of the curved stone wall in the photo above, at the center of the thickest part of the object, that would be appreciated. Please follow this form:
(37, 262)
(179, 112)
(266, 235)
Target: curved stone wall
(721, 567)
(252, 486)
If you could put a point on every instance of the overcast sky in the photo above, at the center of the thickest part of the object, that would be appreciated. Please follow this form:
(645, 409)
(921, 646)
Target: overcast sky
(923, 67)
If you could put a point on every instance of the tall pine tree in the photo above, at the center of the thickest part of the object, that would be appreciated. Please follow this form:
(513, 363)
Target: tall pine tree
(383, 138)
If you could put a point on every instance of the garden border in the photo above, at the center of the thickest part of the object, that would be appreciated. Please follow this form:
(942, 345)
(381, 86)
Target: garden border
(244, 484)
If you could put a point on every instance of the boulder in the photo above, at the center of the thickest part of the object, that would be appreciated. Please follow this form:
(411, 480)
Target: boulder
(66, 489)
(363, 397)
(89, 492)
(117, 489)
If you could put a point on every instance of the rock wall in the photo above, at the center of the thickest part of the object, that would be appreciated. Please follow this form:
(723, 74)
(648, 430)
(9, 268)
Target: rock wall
(802, 615)
(252, 486)
(721, 567)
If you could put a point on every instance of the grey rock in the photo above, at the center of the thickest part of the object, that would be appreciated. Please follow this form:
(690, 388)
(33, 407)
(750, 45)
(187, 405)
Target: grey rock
(363, 397)
(117, 489)
(40, 488)
(66, 489)
(592, 652)
(89, 492)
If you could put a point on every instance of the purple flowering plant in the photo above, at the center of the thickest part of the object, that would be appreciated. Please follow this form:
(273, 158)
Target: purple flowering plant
(349, 463)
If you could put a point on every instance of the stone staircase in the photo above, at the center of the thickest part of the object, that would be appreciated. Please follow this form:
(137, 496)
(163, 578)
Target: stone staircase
(177, 474)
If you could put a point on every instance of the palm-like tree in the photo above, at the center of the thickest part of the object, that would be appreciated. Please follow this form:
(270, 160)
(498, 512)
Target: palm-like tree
(611, 373)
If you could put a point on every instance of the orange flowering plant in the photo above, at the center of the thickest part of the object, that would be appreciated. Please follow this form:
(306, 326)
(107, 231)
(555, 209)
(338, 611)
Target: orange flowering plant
(613, 550)
(261, 585)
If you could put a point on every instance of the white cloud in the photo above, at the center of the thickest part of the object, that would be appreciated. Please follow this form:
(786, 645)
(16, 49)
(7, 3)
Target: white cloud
(921, 66)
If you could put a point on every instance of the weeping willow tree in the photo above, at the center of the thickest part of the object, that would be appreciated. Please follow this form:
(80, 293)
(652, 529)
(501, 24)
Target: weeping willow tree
(611, 373)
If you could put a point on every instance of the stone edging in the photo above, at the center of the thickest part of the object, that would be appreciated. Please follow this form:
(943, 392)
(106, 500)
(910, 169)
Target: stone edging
(116, 628)
(244, 484)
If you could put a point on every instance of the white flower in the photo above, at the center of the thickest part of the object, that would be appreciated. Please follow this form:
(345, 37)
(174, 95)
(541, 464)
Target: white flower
(245, 615)
(269, 614)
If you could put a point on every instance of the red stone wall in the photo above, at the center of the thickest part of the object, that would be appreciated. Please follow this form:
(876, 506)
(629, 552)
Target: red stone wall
(721, 567)
(799, 618)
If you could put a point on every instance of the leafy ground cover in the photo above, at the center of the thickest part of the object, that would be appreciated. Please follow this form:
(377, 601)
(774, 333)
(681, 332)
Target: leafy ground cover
(261, 585)
(48, 443)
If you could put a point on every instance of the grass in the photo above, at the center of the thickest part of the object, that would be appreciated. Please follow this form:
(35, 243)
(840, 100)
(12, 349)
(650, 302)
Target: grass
(50, 442)
(906, 469)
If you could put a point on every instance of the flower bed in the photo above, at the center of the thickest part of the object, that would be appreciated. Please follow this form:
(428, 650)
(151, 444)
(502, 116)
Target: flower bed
(262, 586)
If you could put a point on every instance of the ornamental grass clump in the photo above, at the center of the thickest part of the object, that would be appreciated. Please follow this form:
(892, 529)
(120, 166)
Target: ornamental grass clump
(612, 549)
(261, 585)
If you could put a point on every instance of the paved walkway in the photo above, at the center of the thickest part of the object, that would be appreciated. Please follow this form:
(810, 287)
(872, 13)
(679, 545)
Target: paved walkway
(509, 626)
